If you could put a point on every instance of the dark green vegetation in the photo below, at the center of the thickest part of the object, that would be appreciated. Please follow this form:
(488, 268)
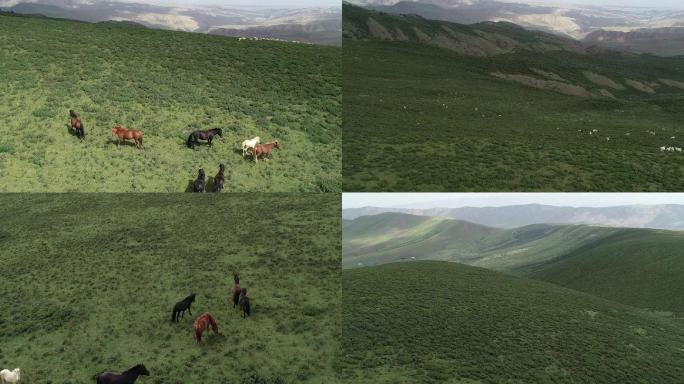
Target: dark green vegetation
(166, 84)
(441, 106)
(89, 282)
(438, 322)
(638, 267)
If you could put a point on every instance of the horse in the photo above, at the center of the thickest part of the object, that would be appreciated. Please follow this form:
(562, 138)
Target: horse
(243, 302)
(127, 377)
(235, 289)
(181, 306)
(249, 144)
(10, 377)
(198, 186)
(219, 179)
(122, 134)
(202, 324)
(203, 135)
(265, 149)
(77, 125)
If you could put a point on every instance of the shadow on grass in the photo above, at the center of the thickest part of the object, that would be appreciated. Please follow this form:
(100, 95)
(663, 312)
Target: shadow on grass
(209, 185)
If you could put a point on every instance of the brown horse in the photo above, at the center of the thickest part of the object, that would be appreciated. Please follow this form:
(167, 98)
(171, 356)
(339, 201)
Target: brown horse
(77, 125)
(122, 134)
(235, 289)
(202, 324)
(265, 149)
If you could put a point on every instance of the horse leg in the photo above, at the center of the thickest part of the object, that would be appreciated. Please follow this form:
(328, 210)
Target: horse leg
(209, 140)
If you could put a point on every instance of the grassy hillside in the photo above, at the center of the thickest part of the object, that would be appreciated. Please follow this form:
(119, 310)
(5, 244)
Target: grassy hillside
(420, 116)
(167, 84)
(642, 268)
(89, 281)
(437, 322)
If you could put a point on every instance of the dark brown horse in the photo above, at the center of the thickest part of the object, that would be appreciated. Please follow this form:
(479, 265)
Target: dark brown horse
(243, 303)
(265, 149)
(235, 289)
(219, 179)
(77, 125)
(128, 377)
(202, 324)
(122, 134)
(199, 185)
(207, 135)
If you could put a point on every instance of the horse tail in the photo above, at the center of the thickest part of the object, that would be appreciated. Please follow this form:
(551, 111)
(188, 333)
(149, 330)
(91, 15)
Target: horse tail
(189, 141)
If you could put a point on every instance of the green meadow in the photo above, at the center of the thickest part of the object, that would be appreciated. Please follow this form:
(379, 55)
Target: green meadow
(166, 84)
(89, 282)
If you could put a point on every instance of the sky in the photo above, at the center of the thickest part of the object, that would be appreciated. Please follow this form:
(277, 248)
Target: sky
(249, 3)
(630, 3)
(454, 200)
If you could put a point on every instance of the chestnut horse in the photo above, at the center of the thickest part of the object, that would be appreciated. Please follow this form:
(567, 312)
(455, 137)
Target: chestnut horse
(77, 125)
(219, 179)
(265, 149)
(235, 289)
(202, 324)
(122, 134)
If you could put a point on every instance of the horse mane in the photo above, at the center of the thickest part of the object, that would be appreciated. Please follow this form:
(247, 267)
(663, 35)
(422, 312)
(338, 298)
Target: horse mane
(191, 297)
(136, 368)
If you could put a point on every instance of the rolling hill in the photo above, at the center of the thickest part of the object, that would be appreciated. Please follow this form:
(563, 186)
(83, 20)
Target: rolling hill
(503, 109)
(438, 322)
(166, 84)
(89, 282)
(637, 267)
(659, 41)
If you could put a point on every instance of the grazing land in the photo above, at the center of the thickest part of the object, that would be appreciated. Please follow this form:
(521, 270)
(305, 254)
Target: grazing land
(438, 106)
(89, 282)
(440, 322)
(166, 84)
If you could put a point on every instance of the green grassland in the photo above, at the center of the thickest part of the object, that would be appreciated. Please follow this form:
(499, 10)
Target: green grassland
(438, 322)
(89, 281)
(166, 84)
(420, 114)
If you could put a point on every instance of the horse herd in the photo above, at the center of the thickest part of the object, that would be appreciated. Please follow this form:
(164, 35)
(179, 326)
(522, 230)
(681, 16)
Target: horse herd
(202, 323)
(122, 134)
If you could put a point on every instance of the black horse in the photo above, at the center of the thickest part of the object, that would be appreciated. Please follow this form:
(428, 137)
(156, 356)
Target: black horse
(181, 306)
(198, 186)
(219, 179)
(243, 302)
(207, 135)
(128, 377)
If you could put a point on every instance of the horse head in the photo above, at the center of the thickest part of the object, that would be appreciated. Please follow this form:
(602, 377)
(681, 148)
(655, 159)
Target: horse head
(276, 144)
(201, 174)
(219, 132)
(141, 370)
(236, 278)
(222, 167)
(192, 298)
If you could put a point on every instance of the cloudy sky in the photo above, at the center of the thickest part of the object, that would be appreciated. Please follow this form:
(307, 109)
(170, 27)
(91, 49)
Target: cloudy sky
(630, 3)
(453, 200)
(248, 3)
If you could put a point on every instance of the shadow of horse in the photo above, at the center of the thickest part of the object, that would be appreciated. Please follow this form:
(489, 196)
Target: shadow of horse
(71, 131)
(123, 142)
(209, 185)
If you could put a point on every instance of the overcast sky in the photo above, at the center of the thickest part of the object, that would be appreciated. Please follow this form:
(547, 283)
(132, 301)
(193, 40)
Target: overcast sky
(630, 3)
(453, 200)
(248, 3)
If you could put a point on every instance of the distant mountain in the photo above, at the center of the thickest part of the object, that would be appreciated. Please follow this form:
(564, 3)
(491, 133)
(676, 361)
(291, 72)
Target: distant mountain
(313, 25)
(658, 41)
(633, 216)
(572, 21)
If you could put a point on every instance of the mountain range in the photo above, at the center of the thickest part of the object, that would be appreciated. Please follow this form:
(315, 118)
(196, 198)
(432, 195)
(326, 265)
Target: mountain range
(312, 25)
(617, 27)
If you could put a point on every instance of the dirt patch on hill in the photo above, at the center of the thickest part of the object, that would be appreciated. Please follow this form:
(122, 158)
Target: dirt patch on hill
(606, 93)
(639, 86)
(672, 83)
(557, 86)
(378, 30)
(603, 81)
(400, 34)
(548, 75)
(422, 36)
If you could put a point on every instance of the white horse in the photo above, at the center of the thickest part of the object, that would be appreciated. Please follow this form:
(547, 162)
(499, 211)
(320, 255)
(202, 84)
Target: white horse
(249, 144)
(10, 377)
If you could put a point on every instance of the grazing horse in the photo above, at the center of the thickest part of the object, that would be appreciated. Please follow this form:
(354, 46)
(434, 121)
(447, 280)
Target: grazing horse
(235, 289)
(249, 144)
(128, 377)
(219, 179)
(77, 125)
(207, 135)
(10, 377)
(181, 306)
(202, 324)
(243, 302)
(122, 134)
(198, 186)
(265, 149)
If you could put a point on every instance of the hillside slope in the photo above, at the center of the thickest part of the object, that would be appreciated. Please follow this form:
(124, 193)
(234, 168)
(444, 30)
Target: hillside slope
(166, 84)
(84, 290)
(529, 120)
(437, 322)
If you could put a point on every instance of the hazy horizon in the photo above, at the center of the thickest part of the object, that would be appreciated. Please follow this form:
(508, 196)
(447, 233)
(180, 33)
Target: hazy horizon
(456, 200)
(242, 3)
